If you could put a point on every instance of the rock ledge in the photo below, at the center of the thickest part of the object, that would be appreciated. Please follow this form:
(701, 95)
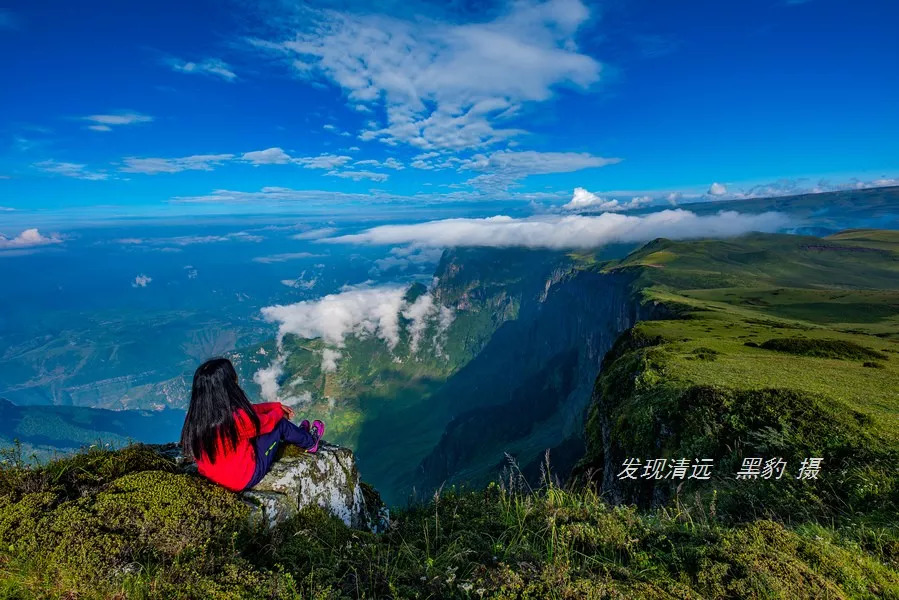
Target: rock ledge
(328, 478)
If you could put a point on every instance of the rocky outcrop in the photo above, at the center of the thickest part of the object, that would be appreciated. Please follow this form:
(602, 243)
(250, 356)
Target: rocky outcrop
(328, 479)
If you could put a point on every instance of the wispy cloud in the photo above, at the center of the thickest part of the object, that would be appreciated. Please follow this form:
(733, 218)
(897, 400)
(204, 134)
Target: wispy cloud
(315, 234)
(109, 121)
(153, 166)
(189, 240)
(502, 168)
(323, 161)
(443, 85)
(67, 169)
(279, 258)
(359, 175)
(213, 67)
(389, 163)
(269, 195)
(567, 232)
(29, 238)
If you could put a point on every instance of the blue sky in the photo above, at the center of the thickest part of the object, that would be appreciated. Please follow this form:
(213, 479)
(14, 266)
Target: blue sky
(172, 108)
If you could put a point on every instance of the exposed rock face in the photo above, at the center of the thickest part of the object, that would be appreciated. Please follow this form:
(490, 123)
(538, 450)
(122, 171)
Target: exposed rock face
(328, 479)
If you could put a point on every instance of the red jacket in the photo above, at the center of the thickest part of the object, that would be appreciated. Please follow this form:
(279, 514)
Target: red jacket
(233, 467)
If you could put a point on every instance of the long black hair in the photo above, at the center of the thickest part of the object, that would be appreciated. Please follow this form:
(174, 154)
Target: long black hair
(214, 399)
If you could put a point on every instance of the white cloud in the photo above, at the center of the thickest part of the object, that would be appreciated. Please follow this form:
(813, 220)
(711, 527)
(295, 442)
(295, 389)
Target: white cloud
(141, 281)
(271, 156)
(359, 175)
(67, 169)
(323, 161)
(267, 378)
(361, 311)
(567, 232)
(390, 163)
(504, 167)
(153, 166)
(443, 85)
(583, 200)
(210, 66)
(419, 313)
(329, 360)
(303, 399)
(404, 257)
(314, 234)
(29, 238)
(717, 189)
(277, 258)
(301, 282)
(107, 122)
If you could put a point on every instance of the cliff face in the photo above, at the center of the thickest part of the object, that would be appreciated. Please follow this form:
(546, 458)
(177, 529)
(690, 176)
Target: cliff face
(528, 389)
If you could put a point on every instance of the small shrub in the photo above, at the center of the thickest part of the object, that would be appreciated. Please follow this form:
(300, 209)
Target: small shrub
(826, 348)
(703, 353)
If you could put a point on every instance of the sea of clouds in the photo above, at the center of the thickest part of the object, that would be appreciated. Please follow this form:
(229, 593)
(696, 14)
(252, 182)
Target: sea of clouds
(376, 310)
(362, 311)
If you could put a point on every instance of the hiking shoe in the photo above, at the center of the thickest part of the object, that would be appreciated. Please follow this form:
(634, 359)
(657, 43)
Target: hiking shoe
(317, 430)
(305, 424)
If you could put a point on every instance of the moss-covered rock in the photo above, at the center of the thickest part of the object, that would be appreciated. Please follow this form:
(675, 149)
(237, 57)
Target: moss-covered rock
(328, 479)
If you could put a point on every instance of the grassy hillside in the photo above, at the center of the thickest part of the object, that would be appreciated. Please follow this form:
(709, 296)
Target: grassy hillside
(127, 525)
(785, 347)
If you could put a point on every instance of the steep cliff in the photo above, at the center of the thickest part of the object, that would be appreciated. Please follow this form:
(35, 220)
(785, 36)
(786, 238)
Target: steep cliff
(527, 390)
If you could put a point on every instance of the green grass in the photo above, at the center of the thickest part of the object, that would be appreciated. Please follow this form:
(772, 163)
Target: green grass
(149, 532)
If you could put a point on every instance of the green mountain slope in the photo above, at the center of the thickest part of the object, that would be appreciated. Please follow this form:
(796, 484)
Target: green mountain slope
(47, 431)
(784, 348)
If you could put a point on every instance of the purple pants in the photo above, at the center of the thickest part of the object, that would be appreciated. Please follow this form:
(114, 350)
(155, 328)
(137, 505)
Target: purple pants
(267, 446)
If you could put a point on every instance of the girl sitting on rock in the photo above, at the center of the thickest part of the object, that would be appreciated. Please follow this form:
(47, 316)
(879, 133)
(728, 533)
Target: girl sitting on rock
(234, 441)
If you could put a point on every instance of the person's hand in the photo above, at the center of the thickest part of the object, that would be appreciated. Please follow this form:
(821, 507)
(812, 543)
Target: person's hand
(288, 411)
